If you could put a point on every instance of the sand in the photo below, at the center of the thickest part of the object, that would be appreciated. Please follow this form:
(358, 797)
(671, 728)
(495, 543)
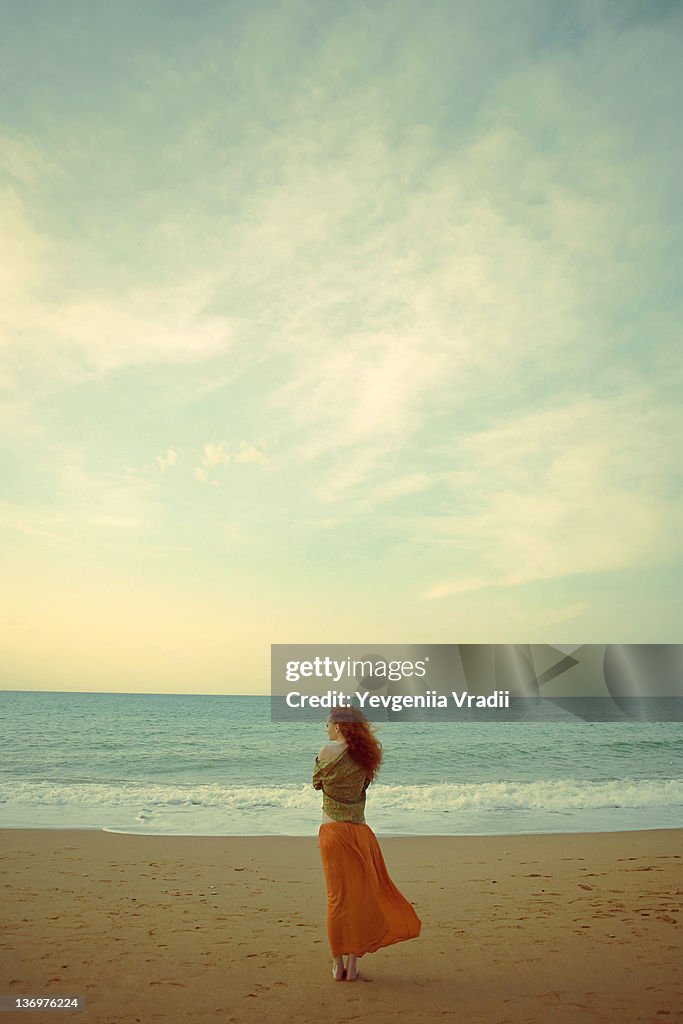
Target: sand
(514, 928)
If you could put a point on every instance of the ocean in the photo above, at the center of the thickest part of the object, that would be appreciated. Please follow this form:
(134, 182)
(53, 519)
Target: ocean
(218, 765)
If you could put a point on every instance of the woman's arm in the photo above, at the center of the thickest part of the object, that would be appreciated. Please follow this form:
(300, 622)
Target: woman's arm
(326, 754)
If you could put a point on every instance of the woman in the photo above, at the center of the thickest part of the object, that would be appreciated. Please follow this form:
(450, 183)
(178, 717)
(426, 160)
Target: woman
(365, 910)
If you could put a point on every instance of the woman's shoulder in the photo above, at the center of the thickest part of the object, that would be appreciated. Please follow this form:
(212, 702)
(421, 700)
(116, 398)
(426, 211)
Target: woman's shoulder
(329, 751)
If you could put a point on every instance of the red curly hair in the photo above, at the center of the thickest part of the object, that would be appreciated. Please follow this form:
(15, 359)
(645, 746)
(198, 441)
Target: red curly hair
(363, 745)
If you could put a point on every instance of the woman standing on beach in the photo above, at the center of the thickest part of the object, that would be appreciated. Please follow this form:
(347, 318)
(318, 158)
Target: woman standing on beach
(365, 910)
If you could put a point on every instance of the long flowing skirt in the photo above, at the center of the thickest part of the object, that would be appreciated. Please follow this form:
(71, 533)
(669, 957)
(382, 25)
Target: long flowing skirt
(365, 910)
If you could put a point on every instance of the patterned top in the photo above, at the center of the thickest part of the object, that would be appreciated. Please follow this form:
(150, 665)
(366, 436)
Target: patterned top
(343, 783)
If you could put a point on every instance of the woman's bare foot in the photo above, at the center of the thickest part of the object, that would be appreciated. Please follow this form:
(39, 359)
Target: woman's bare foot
(338, 969)
(352, 972)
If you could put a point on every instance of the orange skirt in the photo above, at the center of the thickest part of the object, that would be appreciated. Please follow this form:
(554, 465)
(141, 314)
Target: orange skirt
(365, 910)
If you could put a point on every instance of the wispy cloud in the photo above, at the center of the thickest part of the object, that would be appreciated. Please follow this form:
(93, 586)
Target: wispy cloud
(580, 489)
(22, 160)
(81, 337)
(44, 524)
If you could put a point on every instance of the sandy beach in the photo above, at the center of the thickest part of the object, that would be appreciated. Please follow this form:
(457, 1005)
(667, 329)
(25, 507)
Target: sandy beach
(514, 928)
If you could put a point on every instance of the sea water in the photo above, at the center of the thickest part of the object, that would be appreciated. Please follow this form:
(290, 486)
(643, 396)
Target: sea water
(217, 765)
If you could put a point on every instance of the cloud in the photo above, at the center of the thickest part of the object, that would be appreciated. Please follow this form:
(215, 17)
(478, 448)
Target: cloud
(87, 336)
(36, 523)
(477, 277)
(164, 462)
(351, 408)
(81, 500)
(110, 498)
(22, 160)
(22, 269)
(583, 488)
(399, 487)
(216, 453)
(249, 453)
(116, 522)
(219, 453)
(56, 332)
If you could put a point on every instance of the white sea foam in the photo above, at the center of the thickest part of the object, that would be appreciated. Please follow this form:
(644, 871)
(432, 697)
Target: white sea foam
(549, 795)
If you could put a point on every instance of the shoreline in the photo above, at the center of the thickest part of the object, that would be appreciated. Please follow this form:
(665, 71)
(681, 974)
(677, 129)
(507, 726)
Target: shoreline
(387, 837)
(311, 835)
(550, 926)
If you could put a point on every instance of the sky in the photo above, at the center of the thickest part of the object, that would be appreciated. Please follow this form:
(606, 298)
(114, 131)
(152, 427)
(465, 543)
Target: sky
(335, 323)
